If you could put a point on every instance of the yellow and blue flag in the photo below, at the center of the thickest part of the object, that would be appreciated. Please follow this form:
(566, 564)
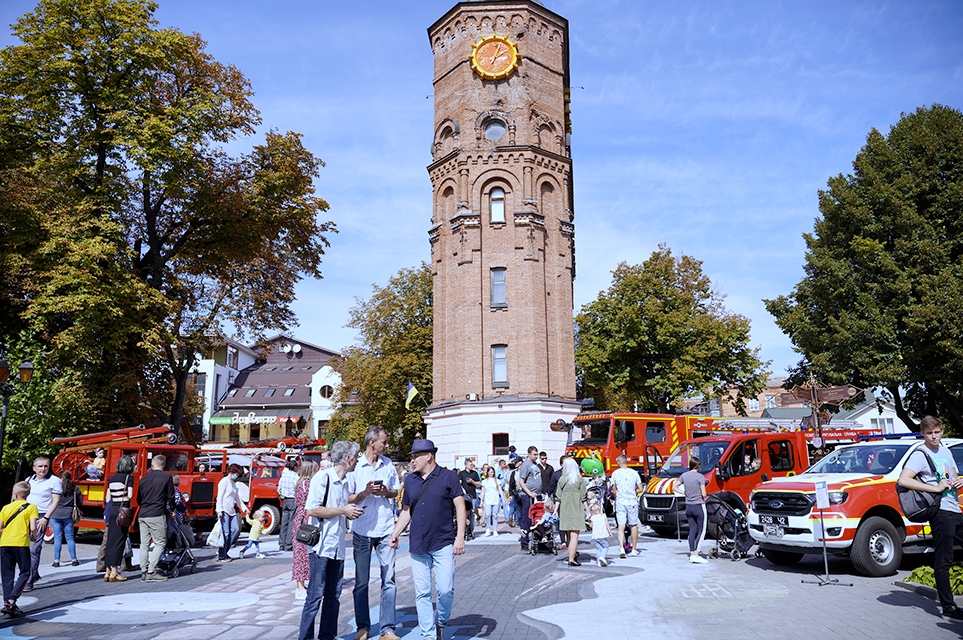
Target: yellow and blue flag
(412, 392)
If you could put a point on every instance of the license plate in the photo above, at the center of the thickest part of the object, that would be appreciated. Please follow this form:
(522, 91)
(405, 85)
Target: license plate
(654, 517)
(782, 521)
(773, 531)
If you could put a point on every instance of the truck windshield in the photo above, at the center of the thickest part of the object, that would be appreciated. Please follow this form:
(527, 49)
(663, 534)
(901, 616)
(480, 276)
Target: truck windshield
(876, 459)
(708, 451)
(591, 431)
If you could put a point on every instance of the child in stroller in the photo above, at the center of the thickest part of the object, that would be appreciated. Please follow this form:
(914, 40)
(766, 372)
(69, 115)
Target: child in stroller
(542, 532)
(732, 529)
(177, 553)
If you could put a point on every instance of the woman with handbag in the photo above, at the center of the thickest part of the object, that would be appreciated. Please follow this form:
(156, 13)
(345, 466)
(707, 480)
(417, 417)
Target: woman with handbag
(61, 520)
(300, 570)
(227, 504)
(120, 489)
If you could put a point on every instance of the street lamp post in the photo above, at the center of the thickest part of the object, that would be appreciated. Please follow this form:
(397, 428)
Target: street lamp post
(8, 389)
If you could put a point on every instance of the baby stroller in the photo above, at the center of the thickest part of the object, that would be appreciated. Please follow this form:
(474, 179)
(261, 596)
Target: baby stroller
(540, 536)
(732, 529)
(177, 554)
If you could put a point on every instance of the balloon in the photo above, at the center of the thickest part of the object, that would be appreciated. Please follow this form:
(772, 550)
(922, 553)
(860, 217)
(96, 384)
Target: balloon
(592, 466)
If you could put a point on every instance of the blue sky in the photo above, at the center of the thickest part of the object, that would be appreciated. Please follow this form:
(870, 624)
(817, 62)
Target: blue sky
(708, 126)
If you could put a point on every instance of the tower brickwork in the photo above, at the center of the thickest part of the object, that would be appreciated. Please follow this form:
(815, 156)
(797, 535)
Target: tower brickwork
(502, 226)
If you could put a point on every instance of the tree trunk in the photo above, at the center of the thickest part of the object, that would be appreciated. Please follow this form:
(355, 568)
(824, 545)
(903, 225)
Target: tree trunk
(901, 410)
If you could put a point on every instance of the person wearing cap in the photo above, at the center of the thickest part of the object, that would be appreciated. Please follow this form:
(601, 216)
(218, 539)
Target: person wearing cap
(430, 493)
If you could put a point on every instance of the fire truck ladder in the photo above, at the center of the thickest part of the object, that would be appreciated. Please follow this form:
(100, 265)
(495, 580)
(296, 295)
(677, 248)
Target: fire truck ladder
(139, 434)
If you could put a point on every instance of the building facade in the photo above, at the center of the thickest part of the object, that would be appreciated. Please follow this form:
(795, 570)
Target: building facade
(288, 391)
(502, 229)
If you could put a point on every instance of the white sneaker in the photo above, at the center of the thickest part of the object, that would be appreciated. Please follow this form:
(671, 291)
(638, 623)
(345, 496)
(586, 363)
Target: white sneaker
(697, 560)
(603, 563)
(488, 533)
(240, 556)
(260, 555)
(634, 553)
(300, 594)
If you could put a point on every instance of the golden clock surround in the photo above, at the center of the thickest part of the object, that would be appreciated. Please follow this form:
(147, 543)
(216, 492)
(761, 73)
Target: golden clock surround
(494, 57)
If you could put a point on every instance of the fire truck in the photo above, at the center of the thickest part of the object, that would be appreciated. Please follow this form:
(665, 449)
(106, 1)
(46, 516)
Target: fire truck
(646, 439)
(733, 463)
(141, 444)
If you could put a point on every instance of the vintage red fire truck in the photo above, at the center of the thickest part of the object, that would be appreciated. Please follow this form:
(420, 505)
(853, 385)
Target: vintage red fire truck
(141, 444)
(863, 521)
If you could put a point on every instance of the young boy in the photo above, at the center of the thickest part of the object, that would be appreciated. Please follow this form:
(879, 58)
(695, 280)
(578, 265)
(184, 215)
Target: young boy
(947, 525)
(601, 532)
(254, 538)
(18, 524)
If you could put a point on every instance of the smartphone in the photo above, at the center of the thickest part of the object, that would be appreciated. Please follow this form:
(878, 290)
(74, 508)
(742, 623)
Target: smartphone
(379, 482)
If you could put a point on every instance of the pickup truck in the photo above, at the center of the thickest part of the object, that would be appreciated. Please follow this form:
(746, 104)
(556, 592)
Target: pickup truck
(732, 463)
(863, 522)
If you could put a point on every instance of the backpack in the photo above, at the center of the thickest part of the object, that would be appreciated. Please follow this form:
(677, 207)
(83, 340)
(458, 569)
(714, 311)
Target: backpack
(512, 484)
(919, 506)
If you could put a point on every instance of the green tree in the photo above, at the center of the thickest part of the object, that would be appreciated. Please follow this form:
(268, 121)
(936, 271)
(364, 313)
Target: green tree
(880, 302)
(394, 346)
(147, 240)
(660, 334)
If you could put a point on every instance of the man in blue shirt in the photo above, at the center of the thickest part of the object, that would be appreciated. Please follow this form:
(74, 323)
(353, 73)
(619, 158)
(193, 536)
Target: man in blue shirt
(432, 495)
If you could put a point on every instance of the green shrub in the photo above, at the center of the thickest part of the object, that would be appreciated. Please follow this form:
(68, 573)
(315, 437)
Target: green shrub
(925, 577)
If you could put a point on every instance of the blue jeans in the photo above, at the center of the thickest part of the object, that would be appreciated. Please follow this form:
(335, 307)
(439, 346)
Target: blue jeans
(362, 574)
(323, 585)
(63, 528)
(228, 531)
(491, 516)
(443, 562)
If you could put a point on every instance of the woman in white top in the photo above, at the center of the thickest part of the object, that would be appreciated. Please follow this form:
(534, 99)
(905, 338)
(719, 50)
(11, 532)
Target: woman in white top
(228, 501)
(491, 497)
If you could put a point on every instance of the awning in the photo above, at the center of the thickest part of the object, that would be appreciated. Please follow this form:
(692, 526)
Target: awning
(278, 415)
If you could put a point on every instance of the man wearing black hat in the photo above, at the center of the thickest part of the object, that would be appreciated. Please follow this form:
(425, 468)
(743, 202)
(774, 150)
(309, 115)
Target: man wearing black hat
(431, 494)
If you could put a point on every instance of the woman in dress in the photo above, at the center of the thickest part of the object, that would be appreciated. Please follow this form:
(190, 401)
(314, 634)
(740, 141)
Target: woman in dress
(120, 489)
(300, 570)
(571, 497)
(227, 505)
(62, 519)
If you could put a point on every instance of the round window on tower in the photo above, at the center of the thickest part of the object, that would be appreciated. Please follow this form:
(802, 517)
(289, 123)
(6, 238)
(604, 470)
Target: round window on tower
(494, 129)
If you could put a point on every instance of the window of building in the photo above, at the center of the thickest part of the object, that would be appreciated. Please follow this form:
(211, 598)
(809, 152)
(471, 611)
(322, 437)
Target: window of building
(268, 393)
(287, 368)
(753, 404)
(499, 444)
(233, 433)
(499, 366)
(498, 205)
(232, 392)
(232, 357)
(327, 391)
(498, 288)
(494, 129)
(884, 424)
(770, 402)
(249, 393)
(255, 432)
(288, 392)
(307, 368)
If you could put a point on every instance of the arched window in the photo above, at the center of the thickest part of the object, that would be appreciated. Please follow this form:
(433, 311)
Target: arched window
(547, 205)
(498, 205)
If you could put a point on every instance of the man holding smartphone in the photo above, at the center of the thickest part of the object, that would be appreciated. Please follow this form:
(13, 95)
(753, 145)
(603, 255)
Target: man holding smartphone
(373, 485)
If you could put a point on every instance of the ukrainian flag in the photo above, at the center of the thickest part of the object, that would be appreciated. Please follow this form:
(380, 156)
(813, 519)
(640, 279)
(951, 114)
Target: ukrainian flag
(410, 395)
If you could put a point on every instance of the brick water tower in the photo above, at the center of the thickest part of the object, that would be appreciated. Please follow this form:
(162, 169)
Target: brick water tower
(502, 233)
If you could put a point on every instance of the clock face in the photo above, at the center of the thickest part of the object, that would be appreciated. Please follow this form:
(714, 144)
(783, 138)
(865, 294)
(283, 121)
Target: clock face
(494, 58)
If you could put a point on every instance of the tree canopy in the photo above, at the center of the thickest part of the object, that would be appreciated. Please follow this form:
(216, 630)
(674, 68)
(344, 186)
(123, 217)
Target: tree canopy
(134, 238)
(660, 334)
(394, 347)
(880, 302)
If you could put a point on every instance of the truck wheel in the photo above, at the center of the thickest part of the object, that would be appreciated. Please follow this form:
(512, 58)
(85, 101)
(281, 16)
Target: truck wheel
(274, 519)
(877, 549)
(782, 558)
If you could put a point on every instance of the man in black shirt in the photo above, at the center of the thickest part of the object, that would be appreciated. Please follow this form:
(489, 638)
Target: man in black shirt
(469, 484)
(546, 470)
(155, 497)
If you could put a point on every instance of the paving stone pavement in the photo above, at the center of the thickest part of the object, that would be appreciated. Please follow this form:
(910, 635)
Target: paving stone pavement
(500, 593)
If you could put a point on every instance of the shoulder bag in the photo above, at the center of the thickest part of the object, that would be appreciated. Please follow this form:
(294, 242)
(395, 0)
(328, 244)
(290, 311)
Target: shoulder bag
(919, 506)
(75, 512)
(125, 514)
(310, 534)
